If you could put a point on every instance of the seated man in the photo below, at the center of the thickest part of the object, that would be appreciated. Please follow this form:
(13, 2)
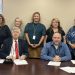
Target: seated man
(56, 50)
(14, 48)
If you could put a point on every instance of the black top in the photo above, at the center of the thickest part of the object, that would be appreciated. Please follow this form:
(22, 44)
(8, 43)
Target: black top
(4, 34)
(50, 33)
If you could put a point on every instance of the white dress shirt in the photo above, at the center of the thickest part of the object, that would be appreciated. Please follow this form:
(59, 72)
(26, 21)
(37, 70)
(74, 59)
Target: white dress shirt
(13, 52)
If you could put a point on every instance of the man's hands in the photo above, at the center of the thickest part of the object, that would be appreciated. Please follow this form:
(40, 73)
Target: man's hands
(22, 57)
(56, 58)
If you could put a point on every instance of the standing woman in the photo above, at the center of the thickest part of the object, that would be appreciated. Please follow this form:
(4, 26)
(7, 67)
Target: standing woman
(54, 27)
(35, 34)
(4, 30)
(18, 23)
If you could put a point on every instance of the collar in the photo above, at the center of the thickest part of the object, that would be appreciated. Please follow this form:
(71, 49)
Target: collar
(52, 44)
(15, 40)
(35, 23)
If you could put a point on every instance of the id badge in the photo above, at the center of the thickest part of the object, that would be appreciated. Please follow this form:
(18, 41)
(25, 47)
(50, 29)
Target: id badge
(34, 37)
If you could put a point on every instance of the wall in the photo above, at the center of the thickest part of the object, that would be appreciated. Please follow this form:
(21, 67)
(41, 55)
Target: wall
(62, 9)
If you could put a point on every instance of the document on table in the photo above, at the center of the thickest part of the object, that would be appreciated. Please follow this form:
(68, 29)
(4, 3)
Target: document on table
(20, 62)
(73, 61)
(54, 63)
(68, 69)
(1, 61)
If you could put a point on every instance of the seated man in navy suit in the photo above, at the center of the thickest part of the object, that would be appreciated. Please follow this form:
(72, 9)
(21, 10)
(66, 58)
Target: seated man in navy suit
(14, 48)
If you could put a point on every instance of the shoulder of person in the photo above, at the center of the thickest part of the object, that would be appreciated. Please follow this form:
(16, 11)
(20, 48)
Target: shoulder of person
(29, 23)
(72, 28)
(41, 24)
(5, 26)
(48, 44)
(22, 40)
(64, 44)
(49, 30)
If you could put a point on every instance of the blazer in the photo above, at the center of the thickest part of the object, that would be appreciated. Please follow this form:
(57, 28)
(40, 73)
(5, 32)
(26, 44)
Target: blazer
(5, 50)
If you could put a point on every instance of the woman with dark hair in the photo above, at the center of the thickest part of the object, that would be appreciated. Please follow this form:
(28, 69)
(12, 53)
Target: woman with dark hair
(35, 34)
(4, 30)
(54, 27)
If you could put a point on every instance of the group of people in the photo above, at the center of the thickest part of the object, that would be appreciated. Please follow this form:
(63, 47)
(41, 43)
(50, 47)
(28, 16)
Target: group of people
(35, 41)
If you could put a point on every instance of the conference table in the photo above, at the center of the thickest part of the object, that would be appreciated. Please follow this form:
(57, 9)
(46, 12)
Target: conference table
(34, 67)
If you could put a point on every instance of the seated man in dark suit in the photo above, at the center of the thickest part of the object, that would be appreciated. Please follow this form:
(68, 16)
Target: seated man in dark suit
(14, 48)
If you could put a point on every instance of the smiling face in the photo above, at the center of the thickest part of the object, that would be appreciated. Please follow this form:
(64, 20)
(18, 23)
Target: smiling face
(15, 32)
(18, 22)
(56, 38)
(36, 17)
(55, 23)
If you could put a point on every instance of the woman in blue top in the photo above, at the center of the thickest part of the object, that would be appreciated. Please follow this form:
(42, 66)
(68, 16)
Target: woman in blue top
(71, 40)
(35, 33)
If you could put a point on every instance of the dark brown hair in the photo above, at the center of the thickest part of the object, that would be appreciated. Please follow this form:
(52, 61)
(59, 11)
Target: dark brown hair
(34, 14)
(3, 20)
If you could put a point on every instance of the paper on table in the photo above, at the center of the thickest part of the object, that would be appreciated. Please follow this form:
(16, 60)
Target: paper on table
(73, 61)
(20, 62)
(68, 69)
(1, 61)
(54, 63)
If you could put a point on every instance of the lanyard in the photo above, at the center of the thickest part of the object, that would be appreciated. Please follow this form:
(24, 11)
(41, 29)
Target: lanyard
(35, 27)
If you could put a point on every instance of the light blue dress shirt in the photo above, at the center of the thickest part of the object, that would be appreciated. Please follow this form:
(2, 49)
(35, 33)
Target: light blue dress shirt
(49, 51)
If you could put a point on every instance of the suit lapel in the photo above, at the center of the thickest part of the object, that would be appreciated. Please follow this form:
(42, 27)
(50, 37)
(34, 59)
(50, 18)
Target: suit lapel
(10, 44)
(19, 43)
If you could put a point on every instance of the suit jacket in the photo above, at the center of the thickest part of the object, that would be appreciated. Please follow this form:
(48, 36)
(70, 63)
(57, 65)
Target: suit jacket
(5, 51)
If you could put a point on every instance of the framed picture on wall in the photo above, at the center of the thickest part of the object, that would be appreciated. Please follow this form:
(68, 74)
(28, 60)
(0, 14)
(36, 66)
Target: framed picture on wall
(1, 6)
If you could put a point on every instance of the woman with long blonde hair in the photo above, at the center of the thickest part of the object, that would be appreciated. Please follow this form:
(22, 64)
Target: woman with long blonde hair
(54, 27)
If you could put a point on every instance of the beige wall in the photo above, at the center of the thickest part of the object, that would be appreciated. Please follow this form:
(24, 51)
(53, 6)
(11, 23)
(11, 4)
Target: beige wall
(62, 9)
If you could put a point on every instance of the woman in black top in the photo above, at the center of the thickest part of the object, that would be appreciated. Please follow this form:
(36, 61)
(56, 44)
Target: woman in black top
(54, 27)
(4, 30)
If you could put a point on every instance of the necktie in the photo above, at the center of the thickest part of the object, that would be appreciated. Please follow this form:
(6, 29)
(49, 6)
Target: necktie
(16, 49)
